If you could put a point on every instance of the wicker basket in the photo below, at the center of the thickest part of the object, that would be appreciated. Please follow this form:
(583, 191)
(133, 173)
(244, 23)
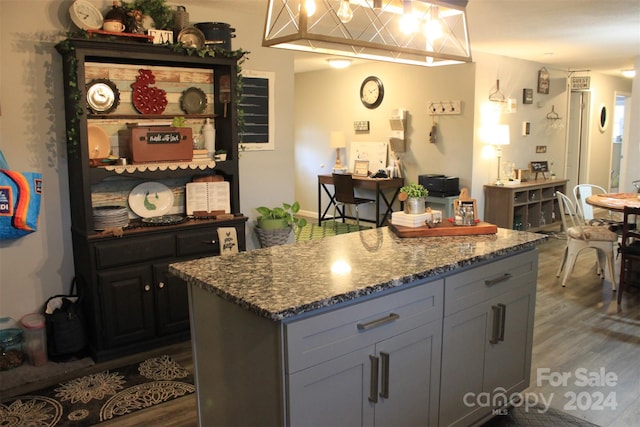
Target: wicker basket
(272, 237)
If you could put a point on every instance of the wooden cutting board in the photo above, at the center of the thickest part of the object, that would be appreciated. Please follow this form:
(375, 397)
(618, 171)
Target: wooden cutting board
(444, 229)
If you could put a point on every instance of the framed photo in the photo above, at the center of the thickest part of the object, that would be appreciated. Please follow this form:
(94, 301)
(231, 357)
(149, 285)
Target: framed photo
(527, 96)
(361, 168)
(543, 80)
(541, 149)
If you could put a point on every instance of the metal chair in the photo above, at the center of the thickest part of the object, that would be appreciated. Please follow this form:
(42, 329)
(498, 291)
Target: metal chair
(580, 194)
(345, 195)
(581, 236)
(630, 250)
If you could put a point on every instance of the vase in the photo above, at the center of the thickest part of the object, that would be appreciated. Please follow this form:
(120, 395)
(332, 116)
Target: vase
(415, 205)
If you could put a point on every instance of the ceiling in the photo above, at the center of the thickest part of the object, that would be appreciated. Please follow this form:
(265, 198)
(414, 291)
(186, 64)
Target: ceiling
(597, 35)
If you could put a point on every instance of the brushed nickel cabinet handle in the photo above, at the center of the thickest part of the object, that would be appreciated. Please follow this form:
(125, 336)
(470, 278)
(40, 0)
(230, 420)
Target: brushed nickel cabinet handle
(373, 387)
(378, 322)
(503, 278)
(147, 288)
(384, 384)
(161, 285)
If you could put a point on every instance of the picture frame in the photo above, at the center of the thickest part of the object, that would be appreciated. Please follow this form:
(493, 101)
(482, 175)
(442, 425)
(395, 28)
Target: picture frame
(540, 149)
(538, 167)
(527, 96)
(361, 168)
(258, 104)
(543, 81)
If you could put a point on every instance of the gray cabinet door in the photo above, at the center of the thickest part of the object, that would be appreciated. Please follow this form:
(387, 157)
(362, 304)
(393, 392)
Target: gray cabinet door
(486, 348)
(393, 383)
(333, 393)
(412, 361)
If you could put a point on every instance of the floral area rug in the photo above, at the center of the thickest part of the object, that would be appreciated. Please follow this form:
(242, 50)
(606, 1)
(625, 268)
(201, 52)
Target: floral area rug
(95, 398)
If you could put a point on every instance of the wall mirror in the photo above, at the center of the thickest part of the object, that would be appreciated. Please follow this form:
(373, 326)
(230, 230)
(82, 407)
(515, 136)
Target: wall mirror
(603, 118)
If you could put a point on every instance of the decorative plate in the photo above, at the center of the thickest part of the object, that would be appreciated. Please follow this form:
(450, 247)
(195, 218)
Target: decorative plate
(151, 199)
(191, 37)
(164, 220)
(98, 142)
(102, 96)
(193, 101)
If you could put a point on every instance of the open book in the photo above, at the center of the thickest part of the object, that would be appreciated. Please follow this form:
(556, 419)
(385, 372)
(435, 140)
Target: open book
(208, 197)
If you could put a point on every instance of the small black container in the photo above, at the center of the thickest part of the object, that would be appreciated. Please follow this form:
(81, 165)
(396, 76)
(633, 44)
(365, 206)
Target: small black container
(217, 34)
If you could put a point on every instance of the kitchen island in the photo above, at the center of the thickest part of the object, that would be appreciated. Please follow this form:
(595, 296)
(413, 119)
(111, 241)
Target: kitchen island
(362, 329)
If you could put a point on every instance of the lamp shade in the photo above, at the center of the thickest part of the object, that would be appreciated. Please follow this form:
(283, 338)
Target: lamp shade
(501, 136)
(338, 140)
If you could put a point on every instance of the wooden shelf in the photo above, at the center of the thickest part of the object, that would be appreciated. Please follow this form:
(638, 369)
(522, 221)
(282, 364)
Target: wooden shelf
(528, 206)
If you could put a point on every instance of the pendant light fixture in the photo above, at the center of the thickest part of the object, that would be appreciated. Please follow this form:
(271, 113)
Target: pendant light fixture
(372, 29)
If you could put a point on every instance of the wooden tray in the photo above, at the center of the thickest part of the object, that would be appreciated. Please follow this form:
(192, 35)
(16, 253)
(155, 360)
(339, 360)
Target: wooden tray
(445, 228)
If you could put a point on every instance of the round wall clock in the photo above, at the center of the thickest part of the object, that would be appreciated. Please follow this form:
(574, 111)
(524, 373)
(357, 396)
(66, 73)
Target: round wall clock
(102, 96)
(371, 92)
(85, 15)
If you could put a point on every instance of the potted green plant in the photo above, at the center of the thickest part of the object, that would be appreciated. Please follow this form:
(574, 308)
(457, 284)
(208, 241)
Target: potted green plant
(415, 196)
(275, 224)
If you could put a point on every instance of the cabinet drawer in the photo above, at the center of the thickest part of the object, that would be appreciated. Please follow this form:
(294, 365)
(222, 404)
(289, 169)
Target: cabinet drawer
(129, 251)
(198, 242)
(323, 337)
(482, 283)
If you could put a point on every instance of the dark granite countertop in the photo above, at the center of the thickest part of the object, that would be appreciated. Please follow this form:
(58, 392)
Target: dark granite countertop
(288, 280)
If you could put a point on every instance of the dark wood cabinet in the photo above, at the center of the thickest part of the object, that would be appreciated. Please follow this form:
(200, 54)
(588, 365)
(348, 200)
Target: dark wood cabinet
(132, 304)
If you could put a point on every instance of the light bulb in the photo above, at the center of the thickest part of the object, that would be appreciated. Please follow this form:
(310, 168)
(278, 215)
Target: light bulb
(408, 23)
(344, 12)
(310, 7)
(433, 29)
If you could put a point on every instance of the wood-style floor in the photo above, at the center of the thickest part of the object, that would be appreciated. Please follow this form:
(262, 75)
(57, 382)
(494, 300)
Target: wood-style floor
(577, 329)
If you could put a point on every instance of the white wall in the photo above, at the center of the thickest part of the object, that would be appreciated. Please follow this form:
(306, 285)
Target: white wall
(32, 136)
(330, 100)
(514, 76)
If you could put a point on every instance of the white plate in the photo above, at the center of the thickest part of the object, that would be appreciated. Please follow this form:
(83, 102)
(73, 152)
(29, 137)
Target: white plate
(151, 199)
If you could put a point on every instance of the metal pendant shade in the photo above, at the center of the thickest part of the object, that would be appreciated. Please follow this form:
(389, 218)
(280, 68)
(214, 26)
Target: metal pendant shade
(374, 29)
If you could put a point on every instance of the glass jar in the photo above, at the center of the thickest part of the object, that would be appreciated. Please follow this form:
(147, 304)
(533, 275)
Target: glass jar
(35, 338)
(11, 340)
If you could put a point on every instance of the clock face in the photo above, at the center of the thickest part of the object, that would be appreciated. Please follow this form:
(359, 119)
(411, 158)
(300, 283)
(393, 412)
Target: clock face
(371, 92)
(85, 15)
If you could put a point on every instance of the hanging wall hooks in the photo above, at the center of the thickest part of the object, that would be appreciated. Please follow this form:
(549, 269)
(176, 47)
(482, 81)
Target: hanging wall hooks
(442, 108)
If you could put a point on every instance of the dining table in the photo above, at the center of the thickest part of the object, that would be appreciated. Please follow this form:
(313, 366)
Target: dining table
(614, 201)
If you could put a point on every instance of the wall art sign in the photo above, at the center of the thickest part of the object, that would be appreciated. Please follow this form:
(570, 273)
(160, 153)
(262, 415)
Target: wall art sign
(543, 80)
(580, 83)
(527, 96)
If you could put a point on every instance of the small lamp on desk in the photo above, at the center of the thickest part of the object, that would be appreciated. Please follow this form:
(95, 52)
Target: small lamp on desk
(338, 142)
(500, 138)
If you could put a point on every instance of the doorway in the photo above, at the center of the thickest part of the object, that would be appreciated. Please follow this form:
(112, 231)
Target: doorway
(578, 138)
(620, 126)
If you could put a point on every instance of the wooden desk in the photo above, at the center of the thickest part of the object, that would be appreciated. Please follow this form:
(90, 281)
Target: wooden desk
(614, 201)
(379, 185)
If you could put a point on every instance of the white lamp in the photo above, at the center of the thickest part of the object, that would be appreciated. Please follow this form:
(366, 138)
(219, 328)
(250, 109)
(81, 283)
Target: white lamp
(500, 138)
(338, 141)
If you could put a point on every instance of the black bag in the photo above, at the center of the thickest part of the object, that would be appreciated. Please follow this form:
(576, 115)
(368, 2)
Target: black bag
(66, 337)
